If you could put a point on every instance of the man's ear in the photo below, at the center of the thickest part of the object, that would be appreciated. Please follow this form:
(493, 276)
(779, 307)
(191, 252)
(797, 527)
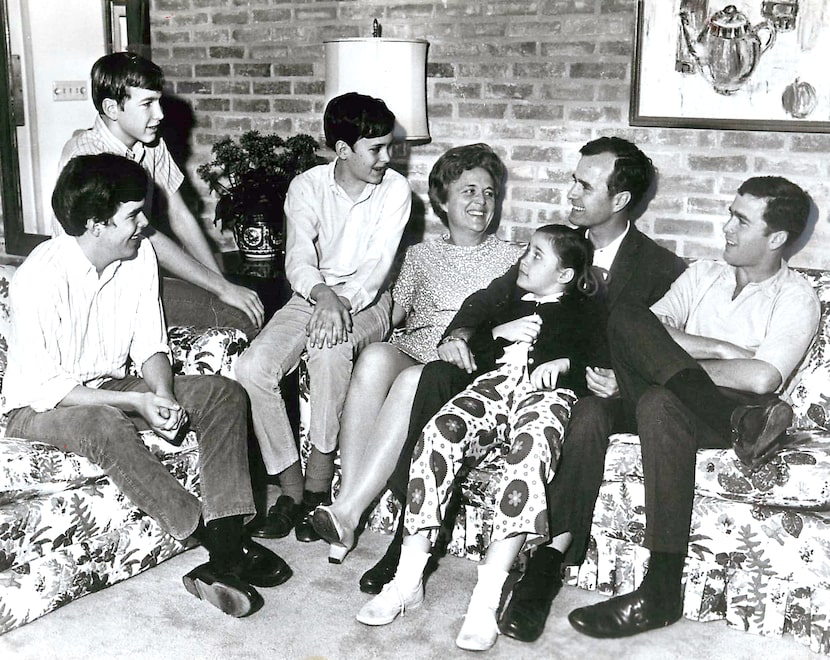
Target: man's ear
(110, 108)
(566, 275)
(777, 239)
(342, 149)
(93, 227)
(621, 200)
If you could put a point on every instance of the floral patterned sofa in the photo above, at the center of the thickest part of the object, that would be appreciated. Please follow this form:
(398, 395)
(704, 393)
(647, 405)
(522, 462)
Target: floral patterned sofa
(759, 550)
(65, 530)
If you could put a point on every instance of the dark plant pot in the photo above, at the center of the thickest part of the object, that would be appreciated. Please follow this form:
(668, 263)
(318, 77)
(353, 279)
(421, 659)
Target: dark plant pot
(257, 239)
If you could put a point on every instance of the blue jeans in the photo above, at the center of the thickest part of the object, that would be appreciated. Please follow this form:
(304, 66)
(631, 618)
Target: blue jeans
(276, 353)
(109, 437)
(188, 304)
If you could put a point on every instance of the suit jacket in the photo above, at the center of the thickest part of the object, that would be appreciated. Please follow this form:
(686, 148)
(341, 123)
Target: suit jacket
(641, 274)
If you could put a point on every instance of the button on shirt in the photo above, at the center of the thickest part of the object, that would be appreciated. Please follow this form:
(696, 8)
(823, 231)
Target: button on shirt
(72, 327)
(775, 319)
(348, 245)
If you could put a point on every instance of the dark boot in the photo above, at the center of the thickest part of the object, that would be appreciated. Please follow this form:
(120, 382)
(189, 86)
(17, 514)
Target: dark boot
(529, 603)
(220, 581)
(373, 580)
(305, 530)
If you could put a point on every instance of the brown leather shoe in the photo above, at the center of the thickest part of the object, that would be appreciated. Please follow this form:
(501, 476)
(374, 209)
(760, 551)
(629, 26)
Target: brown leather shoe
(759, 431)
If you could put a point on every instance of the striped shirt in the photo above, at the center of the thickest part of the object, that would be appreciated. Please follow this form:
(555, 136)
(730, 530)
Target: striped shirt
(71, 327)
(161, 168)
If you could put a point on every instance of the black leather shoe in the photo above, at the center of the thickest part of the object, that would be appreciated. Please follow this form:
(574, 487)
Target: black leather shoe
(305, 531)
(759, 431)
(527, 610)
(280, 520)
(261, 567)
(373, 580)
(625, 615)
(223, 589)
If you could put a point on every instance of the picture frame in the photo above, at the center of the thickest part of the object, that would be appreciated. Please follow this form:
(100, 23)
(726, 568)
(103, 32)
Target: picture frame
(767, 71)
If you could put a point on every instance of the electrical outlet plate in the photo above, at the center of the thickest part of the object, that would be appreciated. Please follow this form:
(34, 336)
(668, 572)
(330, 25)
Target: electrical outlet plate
(69, 90)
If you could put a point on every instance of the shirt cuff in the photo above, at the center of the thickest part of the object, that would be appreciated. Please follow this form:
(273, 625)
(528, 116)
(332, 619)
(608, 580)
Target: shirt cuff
(52, 393)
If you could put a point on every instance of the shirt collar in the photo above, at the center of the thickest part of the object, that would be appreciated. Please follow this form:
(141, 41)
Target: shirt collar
(532, 297)
(604, 257)
(136, 153)
(769, 286)
(365, 194)
(82, 265)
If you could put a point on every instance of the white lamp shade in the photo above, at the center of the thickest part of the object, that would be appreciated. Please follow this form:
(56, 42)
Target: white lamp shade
(390, 69)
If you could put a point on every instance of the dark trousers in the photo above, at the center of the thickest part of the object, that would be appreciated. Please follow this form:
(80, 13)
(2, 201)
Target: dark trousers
(645, 358)
(575, 486)
(440, 381)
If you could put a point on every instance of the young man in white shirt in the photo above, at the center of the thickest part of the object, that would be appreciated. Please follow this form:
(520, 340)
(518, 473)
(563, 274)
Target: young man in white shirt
(126, 92)
(85, 304)
(344, 222)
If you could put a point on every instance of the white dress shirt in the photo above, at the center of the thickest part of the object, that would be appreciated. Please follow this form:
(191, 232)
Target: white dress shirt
(72, 327)
(345, 244)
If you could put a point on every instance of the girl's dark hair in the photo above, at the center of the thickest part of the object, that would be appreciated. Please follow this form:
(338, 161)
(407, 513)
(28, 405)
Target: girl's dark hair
(574, 251)
(453, 163)
(94, 187)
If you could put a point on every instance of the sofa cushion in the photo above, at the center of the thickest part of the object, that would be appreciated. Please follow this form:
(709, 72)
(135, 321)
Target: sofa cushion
(798, 477)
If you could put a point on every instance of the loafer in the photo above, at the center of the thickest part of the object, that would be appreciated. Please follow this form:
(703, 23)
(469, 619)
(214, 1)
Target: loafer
(280, 520)
(479, 631)
(528, 607)
(304, 530)
(759, 431)
(389, 604)
(625, 615)
(224, 590)
(261, 567)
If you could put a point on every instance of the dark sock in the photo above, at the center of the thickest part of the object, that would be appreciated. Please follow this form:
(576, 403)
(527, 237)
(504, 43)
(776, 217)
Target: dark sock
(546, 561)
(664, 578)
(699, 394)
(292, 482)
(223, 540)
(319, 471)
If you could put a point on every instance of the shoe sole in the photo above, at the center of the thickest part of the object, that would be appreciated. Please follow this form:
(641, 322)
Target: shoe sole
(227, 599)
(324, 524)
(769, 441)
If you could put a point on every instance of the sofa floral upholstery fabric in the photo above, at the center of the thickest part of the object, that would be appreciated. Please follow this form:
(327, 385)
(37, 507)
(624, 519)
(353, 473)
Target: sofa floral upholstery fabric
(65, 529)
(759, 549)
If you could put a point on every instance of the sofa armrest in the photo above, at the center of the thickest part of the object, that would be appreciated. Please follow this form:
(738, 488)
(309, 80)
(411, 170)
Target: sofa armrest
(209, 352)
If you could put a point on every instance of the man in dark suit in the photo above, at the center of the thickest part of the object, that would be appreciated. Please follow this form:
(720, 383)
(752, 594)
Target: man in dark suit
(609, 180)
(609, 183)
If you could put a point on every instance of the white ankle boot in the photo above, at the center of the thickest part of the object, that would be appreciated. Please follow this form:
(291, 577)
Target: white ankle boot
(480, 629)
(389, 603)
(404, 592)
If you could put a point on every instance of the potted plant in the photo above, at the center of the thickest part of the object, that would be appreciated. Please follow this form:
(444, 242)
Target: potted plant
(251, 176)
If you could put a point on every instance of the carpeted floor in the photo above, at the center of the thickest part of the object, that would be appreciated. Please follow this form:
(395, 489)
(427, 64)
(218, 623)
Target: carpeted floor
(312, 616)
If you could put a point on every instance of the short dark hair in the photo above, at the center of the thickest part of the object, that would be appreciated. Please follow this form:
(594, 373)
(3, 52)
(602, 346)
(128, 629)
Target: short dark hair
(788, 205)
(453, 163)
(94, 187)
(633, 170)
(112, 74)
(352, 116)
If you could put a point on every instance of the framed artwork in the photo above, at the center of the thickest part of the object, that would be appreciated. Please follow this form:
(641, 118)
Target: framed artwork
(750, 65)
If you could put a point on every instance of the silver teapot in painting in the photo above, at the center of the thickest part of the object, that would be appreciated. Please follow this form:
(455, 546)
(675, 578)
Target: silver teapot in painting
(728, 48)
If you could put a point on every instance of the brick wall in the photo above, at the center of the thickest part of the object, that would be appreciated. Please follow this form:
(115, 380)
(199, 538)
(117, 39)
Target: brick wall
(534, 79)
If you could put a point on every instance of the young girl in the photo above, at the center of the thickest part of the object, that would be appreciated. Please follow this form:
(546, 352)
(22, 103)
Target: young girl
(537, 347)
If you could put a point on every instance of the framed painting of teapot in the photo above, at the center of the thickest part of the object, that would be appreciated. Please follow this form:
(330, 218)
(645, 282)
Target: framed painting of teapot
(732, 64)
